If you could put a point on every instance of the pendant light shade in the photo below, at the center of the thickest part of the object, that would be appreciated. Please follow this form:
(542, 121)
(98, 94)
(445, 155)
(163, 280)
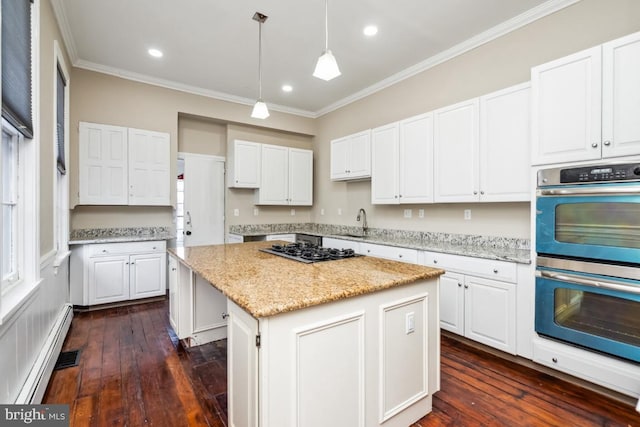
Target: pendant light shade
(326, 67)
(260, 110)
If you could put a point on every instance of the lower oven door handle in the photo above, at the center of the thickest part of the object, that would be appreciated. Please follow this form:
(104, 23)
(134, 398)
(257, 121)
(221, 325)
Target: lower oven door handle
(603, 284)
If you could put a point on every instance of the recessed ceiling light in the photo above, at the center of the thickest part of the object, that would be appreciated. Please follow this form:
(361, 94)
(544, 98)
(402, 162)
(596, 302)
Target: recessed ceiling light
(287, 88)
(156, 53)
(370, 30)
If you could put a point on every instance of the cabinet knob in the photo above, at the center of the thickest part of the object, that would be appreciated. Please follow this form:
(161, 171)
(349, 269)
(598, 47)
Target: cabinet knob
(400, 256)
(368, 250)
(173, 269)
(435, 261)
(104, 251)
(225, 315)
(607, 143)
(401, 195)
(495, 270)
(554, 359)
(475, 193)
(395, 197)
(594, 145)
(466, 286)
(459, 285)
(482, 192)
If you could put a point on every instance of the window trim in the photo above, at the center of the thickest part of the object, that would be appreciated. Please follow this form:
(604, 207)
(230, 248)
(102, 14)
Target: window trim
(13, 299)
(60, 181)
(17, 223)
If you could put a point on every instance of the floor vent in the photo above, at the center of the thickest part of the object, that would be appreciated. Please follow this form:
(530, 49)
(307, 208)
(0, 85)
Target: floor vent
(67, 359)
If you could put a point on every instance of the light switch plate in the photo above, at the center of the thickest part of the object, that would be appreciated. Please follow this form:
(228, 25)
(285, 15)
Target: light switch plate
(407, 213)
(467, 214)
(236, 212)
(420, 213)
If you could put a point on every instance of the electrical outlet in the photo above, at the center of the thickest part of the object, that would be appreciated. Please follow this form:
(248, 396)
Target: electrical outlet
(236, 212)
(256, 211)
(420, 213)
(410, 323)
(407, 213)
(467, 214)
(293, 212)
(322, 211)
(339, 211)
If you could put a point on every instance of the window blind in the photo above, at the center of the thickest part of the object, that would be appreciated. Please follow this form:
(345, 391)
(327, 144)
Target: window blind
(60, 86)
(16, 65)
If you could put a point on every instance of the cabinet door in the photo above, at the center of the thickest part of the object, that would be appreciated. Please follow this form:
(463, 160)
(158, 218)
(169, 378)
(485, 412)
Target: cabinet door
(384, 164)
(149, 163)
(242, 366)
(246, 165)
(359, 155)
(274, 181)
(456, 152)
(452, 302)
(339, 153)
(505, 150)
(620, 95)
(147, 275)
(300, 177)
(416, 159)
(108, 279)
(567, 104)
(490, 313)
(102, 164)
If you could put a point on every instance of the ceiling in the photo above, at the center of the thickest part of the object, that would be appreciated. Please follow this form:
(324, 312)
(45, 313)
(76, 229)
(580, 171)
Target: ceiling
(211, 46)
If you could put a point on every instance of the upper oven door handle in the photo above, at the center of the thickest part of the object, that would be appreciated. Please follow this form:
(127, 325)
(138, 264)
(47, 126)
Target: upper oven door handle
(626, 190)
(602, 284)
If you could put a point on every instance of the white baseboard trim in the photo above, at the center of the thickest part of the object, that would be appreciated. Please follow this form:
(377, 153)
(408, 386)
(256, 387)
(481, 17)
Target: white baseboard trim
(36, 384)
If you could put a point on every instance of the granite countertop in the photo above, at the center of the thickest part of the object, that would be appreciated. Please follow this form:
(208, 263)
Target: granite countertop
(488, 247)
(86, 236)
(265, 285)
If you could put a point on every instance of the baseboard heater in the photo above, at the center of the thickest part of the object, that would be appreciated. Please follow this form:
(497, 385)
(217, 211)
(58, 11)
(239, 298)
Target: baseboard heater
(36, 384)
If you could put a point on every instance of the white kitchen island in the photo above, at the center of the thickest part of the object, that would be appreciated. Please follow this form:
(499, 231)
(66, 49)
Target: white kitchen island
(353, 342)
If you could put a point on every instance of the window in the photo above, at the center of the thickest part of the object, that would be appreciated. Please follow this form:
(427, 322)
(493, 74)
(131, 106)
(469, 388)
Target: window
(10, 208)
(60, 144)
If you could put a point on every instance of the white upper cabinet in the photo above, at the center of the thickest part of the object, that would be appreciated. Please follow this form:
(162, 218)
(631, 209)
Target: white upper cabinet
(505, 148)
(566, 122)
(103, 164)
(121, 166)
(286, 176)
(351, 156)
(149, 163)
(482, 148)
(402, 161)
(621, 97)
(585, 105)
(456, 152)
(244, 164)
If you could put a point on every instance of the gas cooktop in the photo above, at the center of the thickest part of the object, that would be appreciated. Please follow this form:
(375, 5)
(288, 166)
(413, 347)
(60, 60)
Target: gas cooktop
(304, 252)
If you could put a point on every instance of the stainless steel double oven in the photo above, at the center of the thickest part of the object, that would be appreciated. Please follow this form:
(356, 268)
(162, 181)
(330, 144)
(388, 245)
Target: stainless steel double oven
(588, 263)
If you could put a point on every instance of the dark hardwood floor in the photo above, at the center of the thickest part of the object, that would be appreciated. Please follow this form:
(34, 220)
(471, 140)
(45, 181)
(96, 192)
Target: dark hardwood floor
(134, 372)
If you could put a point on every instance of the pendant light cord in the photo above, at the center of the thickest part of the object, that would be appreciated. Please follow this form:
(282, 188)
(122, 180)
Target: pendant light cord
(260, 61)
(326, 25)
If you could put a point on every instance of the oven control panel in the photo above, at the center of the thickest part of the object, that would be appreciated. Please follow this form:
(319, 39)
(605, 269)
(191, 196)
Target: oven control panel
(590, 174)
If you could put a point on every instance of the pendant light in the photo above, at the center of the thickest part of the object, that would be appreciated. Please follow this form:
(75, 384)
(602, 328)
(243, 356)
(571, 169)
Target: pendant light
(326, 67)
(260, 110)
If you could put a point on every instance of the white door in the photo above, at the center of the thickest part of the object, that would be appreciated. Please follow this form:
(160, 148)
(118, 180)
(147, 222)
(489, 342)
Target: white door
(203, 199)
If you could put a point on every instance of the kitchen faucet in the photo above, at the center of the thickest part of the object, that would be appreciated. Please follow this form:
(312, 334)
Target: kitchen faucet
(364, 220)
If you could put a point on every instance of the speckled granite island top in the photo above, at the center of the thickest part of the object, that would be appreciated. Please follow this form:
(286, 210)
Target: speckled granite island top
(265, 285)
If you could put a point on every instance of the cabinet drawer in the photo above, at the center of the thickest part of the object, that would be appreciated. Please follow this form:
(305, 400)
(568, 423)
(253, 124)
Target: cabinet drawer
(492, 269)
(390, 252)
(105, 249)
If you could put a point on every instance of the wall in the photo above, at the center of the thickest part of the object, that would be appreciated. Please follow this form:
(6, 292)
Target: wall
(107, 99)
(498, 64)
(23, 335)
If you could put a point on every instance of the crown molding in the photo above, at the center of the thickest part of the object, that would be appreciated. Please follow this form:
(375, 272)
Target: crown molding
(65, 29)
(493, 33)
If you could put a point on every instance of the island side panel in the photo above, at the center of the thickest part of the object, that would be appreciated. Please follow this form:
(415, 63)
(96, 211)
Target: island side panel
(341, 363)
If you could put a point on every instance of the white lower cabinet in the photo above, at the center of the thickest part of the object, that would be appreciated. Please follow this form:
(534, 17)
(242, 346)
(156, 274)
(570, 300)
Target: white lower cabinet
(279, 366)
(478, 299)
(389, 252)
(111, 272)
(197, 310)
